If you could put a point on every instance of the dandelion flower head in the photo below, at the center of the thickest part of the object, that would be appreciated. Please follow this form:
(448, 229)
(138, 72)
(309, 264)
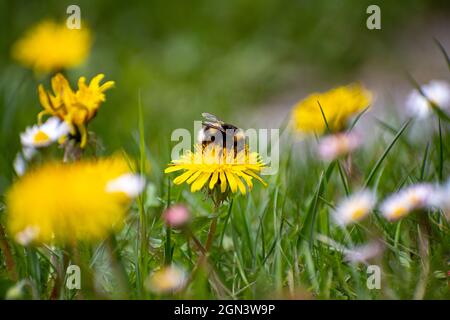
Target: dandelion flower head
(338, 106)
(72, 201)
(50, 46)
(77, 108)
(218, 167)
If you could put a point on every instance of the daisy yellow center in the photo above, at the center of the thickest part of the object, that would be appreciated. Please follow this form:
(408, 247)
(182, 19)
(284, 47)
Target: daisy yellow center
(415, 199)
(398, 212)
(40, 136)
(358, 213)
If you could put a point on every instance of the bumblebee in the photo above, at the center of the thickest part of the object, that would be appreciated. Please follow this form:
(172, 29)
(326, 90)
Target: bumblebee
(225, 135)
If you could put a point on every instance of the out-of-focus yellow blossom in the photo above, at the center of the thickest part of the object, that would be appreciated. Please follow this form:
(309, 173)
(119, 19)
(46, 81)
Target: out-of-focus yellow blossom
(59, 202)
(338, 106)
(214, 166)
(76, 108)
(50, 46)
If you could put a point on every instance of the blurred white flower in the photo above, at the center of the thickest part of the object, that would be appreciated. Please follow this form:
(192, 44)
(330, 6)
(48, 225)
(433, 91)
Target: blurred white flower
(28, 153)
(364, 252)
(167, 280)
(20, 165)
(43, 135)
(354, 208)
(27, 235)
(130, 184)
(16, 291)
(436, 91)
(337, 145)
(414, 197)
(441, 199)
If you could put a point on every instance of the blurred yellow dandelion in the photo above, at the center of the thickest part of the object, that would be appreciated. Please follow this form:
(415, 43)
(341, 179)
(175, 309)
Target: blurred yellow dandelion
(50, 46)
(75, 108)
(338, 105)
(214, 166)
(76, 201)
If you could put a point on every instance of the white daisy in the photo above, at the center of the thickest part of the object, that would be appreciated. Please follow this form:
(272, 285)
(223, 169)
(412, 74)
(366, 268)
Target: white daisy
(43, 135)
(27, 235)
(337, 145)
(130, 184)
(441, 199)
(403, 202)
(354, 208)
(20, 165)
(436, 91)
(364, 252)
(169, 279)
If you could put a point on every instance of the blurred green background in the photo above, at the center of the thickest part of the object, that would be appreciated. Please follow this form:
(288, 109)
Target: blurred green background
(187, 57)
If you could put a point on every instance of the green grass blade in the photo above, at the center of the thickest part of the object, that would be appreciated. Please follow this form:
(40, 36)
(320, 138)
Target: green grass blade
(385, 153)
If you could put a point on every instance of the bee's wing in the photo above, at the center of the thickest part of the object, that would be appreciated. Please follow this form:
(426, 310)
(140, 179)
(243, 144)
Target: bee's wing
(211, 117)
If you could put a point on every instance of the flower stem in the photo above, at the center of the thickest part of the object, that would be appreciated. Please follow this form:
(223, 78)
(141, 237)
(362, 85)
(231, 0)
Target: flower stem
(118, 267)
(210, 238)
(9, 260)
(424, 253)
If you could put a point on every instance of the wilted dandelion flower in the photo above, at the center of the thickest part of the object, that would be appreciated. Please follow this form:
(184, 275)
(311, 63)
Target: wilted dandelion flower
(167, 280)
(354, 208)
(50, 46)
(409, 199)
(338, 106)
(77, 108)
(43, 135)
(176, 216)
(438, 92)
(337, 145)
(85, 200)
(218, 168)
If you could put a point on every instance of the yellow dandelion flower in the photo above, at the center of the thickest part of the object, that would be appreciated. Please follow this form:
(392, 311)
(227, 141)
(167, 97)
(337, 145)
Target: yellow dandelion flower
(85, 200)
(338, 106)
(75, 108)
(50, 46)
(212, 166)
